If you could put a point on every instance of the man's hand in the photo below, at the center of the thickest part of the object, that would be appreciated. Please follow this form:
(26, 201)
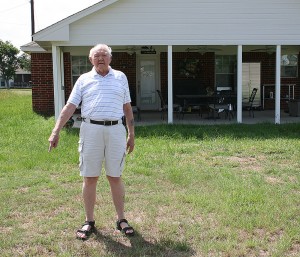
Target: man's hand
(53, 141)
(130, 144)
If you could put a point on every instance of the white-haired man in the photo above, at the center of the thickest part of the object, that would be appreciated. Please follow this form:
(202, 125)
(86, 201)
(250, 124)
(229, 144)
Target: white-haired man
(104, 96)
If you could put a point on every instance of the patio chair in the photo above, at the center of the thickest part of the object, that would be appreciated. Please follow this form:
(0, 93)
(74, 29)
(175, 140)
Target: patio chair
(222, 102)
(136, 110)
(164, 106)
(249, 105)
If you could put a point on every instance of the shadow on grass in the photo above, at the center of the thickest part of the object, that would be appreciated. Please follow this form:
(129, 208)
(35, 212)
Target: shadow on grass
(138, 246)
(234, 131)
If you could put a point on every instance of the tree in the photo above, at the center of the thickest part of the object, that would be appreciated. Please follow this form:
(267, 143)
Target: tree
(9, 61)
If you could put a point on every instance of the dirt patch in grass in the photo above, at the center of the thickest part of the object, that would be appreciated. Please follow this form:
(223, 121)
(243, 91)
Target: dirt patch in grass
(273, 180)
(247, 162)
(295, 250)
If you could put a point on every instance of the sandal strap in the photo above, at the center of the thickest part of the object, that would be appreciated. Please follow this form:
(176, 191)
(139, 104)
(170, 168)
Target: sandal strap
(90, 223)
(126, 229)
(122, 221)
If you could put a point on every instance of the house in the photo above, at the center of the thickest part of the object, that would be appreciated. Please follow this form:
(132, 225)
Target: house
(22, 79)
(178, 47)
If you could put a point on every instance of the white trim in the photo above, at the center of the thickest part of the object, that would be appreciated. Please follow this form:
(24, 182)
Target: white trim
(239, 83)
(277, 86)
(170, 85)
(58, 80)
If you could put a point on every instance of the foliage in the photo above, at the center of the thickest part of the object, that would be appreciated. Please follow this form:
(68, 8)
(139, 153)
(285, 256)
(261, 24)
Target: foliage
(24, 62)
(10, 61)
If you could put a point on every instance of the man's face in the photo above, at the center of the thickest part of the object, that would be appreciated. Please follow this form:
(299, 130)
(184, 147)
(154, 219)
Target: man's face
(101, 58)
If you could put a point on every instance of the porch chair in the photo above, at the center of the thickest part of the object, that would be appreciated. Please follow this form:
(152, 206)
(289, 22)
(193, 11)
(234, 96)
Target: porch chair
(222, 102)
(164, 105)
(249, 105)
(136, 110)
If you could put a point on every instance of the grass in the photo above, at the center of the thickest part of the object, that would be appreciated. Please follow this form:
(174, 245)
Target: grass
(226, 190)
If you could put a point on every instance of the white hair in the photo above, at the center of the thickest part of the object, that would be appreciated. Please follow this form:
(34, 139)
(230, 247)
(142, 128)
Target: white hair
(99, 46)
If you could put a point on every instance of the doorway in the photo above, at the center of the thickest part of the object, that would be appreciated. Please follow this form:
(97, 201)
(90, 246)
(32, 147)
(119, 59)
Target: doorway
(148, 82)
(251, 79)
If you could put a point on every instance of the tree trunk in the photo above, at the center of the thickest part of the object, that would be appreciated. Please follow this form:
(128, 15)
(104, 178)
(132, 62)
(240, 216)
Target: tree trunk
(7, 84)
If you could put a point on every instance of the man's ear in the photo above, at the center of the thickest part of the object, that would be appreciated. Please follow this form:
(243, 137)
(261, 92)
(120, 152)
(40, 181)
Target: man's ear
(90, 58)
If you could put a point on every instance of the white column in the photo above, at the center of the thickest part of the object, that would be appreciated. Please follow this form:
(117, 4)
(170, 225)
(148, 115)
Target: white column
(170, 85)
(277, 85)
(239, 83)
(58, 80)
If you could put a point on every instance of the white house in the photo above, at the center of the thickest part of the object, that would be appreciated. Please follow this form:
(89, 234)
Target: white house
(174, 45)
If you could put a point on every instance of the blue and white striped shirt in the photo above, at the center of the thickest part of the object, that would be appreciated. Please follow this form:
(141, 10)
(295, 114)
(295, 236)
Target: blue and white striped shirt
(102, 98)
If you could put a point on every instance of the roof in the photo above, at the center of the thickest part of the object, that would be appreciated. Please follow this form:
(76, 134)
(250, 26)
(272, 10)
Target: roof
(177, 22)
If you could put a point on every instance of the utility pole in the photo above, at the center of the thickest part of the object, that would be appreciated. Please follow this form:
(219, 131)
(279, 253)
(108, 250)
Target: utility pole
(32, 19)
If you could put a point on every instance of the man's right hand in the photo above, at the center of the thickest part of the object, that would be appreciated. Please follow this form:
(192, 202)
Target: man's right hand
(53, 141)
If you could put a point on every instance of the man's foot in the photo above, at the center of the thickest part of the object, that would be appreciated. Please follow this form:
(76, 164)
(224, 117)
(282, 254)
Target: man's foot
(87, 229)
(124, 227)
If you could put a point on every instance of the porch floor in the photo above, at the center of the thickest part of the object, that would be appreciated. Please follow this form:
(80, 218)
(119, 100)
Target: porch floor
(261, 116)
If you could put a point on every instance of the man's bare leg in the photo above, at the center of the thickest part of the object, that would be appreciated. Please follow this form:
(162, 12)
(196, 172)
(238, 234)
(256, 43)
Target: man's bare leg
(118, 196)
(89, 198)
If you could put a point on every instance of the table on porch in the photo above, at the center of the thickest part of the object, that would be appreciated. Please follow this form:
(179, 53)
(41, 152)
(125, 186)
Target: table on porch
(202, 103)
(189, 102)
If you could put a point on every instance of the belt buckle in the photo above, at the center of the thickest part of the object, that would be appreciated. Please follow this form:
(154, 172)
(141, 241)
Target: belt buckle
(107, 123)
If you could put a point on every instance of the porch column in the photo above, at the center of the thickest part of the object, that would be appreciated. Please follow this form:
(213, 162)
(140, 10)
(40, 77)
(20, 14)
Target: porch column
(277, 86)
(239, 83)
(170, 85)
(58, 80)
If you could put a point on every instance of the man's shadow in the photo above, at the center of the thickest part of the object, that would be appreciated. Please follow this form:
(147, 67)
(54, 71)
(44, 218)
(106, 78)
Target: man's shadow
(120, 245)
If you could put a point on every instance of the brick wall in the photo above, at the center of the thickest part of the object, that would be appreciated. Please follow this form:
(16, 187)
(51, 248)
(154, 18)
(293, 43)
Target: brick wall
(127, 64)
(205, 69)
(42, 83)
(268, 69)
(42, 80)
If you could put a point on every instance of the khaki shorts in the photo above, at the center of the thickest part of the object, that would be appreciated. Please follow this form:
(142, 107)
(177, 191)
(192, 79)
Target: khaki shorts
(98, 144)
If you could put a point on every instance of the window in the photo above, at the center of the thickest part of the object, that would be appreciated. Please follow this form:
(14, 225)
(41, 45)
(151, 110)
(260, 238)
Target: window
(80, 65)
(289, 66)
(226, 71)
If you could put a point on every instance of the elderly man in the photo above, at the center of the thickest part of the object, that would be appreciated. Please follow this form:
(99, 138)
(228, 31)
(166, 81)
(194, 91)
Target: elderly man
(104, 96)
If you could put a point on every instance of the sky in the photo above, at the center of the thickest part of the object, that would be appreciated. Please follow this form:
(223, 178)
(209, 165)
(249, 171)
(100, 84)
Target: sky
(15, 17)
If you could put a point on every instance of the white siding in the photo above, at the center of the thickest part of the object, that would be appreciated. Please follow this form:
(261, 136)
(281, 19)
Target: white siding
(188, 22)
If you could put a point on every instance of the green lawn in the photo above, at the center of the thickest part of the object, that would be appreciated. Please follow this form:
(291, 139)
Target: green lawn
(226, 190)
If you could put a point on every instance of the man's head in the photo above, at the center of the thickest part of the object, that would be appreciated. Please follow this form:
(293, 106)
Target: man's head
(100, 56)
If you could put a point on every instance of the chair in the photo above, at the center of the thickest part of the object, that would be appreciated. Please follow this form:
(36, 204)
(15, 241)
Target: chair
(164, 105)
(136, 110)
(222, 102)
(249, 105)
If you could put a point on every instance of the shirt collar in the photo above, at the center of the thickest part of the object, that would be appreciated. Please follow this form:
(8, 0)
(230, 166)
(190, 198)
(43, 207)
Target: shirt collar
(95, 73)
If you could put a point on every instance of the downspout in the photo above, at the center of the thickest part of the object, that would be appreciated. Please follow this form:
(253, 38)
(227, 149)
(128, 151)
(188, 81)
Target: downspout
(58, 80)
(170, 85)
(239, 83)
(277, 86)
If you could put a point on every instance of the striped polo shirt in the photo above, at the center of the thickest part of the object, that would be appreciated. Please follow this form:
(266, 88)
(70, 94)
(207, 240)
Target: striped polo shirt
(102, 98)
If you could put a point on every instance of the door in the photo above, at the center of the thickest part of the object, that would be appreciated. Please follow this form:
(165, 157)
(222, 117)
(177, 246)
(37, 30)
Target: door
(251, 79)
(147, 76)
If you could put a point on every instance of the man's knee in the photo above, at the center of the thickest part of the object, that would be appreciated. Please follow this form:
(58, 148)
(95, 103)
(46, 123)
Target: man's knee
(88, 181)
